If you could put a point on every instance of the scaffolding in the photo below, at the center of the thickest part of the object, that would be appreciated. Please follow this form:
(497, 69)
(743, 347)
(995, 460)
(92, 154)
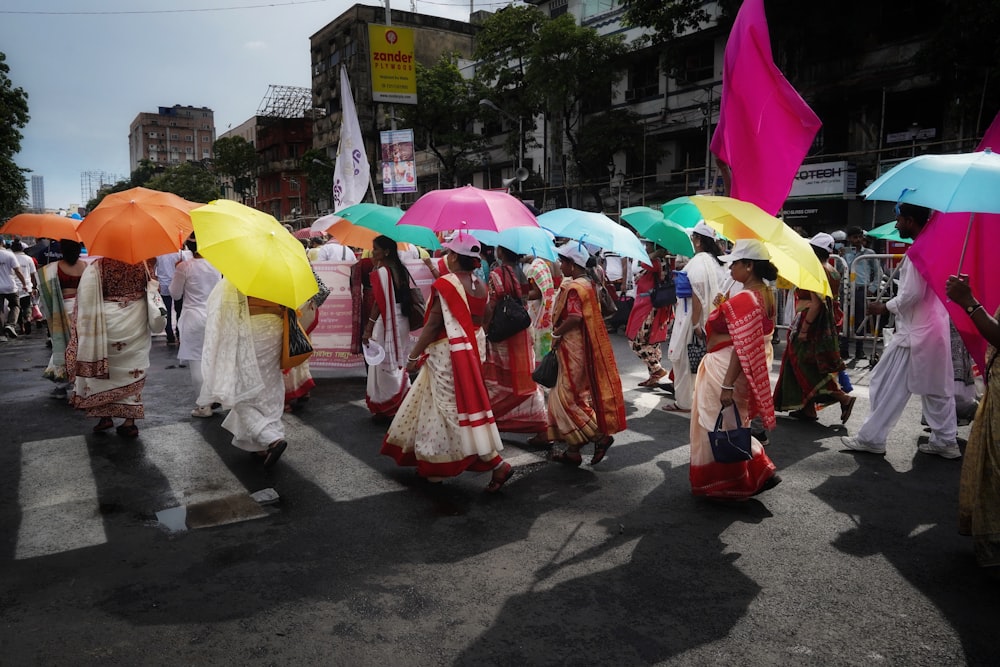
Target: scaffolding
(288, 102)
(91, 182)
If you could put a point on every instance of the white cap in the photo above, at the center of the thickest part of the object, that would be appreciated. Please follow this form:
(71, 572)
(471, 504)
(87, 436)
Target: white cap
(464, 244)
(823, 240)
(746, 249)
(575, 252)
(374, 353)
(703, 229)
(839, 235)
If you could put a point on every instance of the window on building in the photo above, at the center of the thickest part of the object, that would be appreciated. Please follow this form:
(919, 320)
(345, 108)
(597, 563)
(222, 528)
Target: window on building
(152, 135)
(205, 155)
(188, 137)
(697, 62)
(293, 150)
(643, 80)
(175, 137)
(597, 7)
(189, 150)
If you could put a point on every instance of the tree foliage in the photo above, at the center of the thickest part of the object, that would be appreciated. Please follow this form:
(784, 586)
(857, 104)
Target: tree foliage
(189, 180)
(235, 158)
(319, 177)
(13, 118)
(443, 121)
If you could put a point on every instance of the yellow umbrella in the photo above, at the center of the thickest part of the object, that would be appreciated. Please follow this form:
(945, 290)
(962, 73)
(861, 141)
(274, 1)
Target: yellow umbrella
(736, 219)
(254, 252)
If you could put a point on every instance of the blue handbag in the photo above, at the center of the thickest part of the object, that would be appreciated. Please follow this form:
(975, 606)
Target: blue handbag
(730, 446)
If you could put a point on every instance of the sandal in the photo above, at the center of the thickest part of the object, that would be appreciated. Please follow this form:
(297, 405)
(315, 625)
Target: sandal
(128, 431)
(496, 483)
(274, 452)
(568, 456)
(601, 449)
(673, 407)
(105, 424)
(804, 416)
(539, 440)
(846, 409)
(654, 379)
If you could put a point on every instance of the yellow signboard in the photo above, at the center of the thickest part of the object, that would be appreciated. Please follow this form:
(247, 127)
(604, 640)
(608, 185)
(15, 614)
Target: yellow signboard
(394, 69)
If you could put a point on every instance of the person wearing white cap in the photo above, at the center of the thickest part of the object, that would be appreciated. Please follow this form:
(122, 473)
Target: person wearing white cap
(445, 424)
(705, 275)
(811, 363)
(586, 404)
(734, 372)
(648, 326)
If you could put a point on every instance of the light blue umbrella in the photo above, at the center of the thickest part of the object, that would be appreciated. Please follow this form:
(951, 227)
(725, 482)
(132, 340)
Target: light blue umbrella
(887, 232)
(963, 182)
(522, 240)
(594, 228)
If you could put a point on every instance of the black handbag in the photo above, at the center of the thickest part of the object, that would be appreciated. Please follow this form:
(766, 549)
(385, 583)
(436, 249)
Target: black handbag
(663, 294)
(696, 349)
(730, 446)
(509, 317)
(547, 371)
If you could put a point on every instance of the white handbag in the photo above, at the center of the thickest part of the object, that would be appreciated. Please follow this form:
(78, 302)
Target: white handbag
(156, 310)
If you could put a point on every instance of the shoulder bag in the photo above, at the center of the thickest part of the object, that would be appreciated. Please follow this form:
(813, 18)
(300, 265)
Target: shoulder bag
(509, 317)
(418, 307)
(664, 293)
(730, 446)
(696, 349)
(156, 310)
(295, 345)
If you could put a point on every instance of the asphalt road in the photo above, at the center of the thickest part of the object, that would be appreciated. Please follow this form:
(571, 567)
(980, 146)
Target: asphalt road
(853, 560)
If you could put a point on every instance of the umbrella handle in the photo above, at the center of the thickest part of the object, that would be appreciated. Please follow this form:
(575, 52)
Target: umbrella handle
(965, 245)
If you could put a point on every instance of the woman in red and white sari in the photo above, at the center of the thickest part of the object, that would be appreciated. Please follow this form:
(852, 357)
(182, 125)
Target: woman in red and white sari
(445, 424)
(518, 402)
(389, 327)
(735, 370)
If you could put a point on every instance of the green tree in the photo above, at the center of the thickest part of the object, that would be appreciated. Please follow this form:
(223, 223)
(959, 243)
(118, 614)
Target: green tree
(143, 173)
(319, 177)
(235, 159)
(443, 121)
(13, 118)
(576, 70)
(189, 180)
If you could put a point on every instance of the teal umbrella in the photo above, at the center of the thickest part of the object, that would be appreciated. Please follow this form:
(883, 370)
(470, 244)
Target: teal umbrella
(682, 211)
(522, 240)
(383, 219)
(887, 232)
(652, 225)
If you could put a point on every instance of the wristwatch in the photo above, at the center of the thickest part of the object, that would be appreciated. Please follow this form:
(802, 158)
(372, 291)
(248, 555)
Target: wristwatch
(971, 309)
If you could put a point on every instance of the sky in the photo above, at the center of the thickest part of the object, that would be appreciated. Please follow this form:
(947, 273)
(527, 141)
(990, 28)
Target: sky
(90, 66)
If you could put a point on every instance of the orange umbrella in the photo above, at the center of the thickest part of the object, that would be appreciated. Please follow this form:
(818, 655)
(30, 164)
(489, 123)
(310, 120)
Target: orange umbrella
(42, 226)
(137, 224)
(349, 234)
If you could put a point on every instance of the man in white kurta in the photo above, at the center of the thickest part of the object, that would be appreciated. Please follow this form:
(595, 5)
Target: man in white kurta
(917, 360)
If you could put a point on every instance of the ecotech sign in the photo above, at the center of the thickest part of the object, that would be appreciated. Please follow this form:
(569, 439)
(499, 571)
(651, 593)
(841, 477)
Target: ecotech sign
(824, 179)
(394, 74)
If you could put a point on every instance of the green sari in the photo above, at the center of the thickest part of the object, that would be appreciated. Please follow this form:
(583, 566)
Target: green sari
(811, 362)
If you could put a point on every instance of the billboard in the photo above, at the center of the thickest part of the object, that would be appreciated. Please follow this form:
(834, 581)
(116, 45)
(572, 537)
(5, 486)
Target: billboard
(394, 73)
(399, 167)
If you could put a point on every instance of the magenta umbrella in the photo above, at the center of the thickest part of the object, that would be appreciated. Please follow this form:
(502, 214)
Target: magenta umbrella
(468, 208)
(939, 248)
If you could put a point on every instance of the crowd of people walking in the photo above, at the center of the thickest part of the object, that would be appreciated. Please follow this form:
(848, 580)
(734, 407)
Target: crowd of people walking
(447, 390)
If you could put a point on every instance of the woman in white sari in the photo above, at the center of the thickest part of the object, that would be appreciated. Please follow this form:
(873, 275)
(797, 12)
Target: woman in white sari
(389, 327)
(445, 424)
(241, 364)
(108, 354)
(706, 275)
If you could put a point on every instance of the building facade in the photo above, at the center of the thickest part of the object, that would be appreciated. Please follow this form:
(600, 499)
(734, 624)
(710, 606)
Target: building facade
(38, 194)
(171, 135)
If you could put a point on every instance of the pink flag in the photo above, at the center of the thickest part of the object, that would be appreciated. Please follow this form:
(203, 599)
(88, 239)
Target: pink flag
(937, 251)
(765, 127)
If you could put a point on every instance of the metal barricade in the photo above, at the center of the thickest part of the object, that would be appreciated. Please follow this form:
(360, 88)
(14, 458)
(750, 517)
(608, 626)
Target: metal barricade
(869, 328)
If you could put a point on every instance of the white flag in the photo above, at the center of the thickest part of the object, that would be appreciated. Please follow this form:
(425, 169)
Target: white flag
(351, 174)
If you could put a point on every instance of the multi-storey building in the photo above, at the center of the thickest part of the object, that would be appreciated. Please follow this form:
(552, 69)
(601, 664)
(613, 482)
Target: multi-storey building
(38, 194)
(345, 41)
(171, 135)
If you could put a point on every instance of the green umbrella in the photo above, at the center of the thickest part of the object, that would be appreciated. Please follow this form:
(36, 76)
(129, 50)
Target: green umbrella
(682, 211)
(383, 219)
(887, 232)
(651, 224)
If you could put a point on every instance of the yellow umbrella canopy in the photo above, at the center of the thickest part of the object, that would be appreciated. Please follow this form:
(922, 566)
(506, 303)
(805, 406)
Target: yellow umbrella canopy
(254, 252)
(736, 219)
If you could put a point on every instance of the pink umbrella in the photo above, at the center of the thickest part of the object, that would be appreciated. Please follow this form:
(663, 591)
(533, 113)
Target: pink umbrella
(305, 233)
(468, 208)
(939, 247)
